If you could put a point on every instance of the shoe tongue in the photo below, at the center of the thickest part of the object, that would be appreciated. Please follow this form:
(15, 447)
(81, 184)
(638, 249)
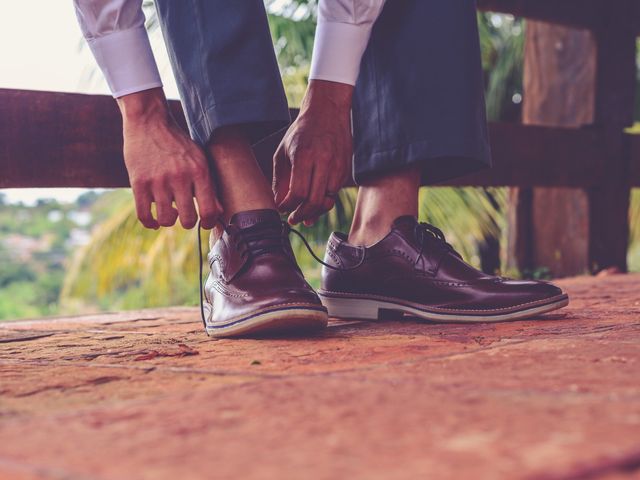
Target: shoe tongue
(250, 218)
(406, 224)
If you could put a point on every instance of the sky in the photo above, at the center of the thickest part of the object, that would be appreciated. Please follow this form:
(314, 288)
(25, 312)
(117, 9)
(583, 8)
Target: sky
(41, 49)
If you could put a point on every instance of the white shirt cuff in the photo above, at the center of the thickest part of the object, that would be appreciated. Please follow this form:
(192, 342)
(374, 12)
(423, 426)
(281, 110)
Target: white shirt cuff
(338, 50)
(126, 59)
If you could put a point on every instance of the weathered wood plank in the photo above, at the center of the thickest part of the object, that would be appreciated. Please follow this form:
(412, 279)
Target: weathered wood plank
(52, 139)
(528, 156)
(525, 156)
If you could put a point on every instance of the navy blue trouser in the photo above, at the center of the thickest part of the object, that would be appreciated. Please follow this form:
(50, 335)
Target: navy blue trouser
(418, 100)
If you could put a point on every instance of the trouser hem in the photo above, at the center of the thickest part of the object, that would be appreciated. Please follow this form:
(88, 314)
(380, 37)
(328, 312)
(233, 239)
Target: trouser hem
(437, 164)
(256, 117)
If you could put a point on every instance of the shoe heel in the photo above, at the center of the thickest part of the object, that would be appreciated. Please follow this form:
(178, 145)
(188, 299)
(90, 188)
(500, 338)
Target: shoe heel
(207, 309)
(357, 309)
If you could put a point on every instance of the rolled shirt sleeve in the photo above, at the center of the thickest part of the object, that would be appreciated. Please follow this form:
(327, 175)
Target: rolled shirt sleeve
(115, 32)
(342, 34)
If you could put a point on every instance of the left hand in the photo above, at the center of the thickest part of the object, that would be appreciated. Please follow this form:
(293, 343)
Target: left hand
(313, 160)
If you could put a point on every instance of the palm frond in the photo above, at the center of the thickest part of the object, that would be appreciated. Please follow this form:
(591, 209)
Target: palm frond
(123, 255)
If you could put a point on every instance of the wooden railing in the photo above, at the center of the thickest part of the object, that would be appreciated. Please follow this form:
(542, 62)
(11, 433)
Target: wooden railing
(72, 140)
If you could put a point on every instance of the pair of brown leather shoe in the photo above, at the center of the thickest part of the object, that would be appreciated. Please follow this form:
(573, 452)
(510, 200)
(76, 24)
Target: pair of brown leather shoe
(255, 285)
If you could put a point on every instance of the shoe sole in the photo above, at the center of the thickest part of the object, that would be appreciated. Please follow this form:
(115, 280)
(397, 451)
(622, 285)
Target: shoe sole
(292, 319)
(367, 308)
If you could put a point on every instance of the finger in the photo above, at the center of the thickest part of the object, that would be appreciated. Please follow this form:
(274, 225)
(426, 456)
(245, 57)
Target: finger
(183, 196)
(165, 212)
(208, 204)
(299, 185)
(312, 208)
(281, 174)
(338, 178)
(143, 200)
(310, 223)
(327, 205)
(319, 190)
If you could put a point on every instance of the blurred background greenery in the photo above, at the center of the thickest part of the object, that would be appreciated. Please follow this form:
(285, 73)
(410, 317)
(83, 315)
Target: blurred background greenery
(93, 255)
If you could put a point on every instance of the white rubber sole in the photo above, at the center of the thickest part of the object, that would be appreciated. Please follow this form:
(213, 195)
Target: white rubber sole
(275, 320)
(373, 309)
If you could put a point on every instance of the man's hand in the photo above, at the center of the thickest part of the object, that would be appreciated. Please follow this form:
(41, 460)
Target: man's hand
(313, 160)
(165, 165)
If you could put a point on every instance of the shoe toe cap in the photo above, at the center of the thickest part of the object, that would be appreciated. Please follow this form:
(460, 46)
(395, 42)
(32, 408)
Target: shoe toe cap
(302, 295)
(532, 290)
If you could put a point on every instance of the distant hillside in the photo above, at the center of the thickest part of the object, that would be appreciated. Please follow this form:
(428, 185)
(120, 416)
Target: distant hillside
(35, 245)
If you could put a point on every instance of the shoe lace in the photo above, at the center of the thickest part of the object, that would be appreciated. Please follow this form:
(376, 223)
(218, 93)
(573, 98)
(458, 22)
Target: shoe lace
(424, 232)
(258, 242)
(318, 259)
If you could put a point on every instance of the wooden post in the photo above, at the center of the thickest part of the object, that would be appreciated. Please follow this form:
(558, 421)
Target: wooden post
(614, 103)
(549, 227)
(520, 230)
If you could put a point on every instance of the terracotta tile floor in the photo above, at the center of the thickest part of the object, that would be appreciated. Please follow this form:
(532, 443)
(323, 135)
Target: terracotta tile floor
(146, 395)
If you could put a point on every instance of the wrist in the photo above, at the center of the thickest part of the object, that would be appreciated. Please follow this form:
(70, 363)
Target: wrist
(326, 94)
(145, 107)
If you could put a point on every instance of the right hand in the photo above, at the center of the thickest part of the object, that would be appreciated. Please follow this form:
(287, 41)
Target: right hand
(313, 161)
(165, 166)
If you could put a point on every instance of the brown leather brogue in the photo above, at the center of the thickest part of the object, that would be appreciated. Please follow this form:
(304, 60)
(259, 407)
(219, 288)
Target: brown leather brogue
(413, 270)
(255, 284)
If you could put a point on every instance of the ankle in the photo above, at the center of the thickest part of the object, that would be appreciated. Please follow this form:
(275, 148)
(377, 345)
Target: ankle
(380, 201)
(366, 233)
(242, 185)
(246, 205)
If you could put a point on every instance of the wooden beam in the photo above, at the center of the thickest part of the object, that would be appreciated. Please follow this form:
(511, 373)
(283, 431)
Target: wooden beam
(525, 156)
(528, 156)
(571, 13)
(73, 140)
(51, 139)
